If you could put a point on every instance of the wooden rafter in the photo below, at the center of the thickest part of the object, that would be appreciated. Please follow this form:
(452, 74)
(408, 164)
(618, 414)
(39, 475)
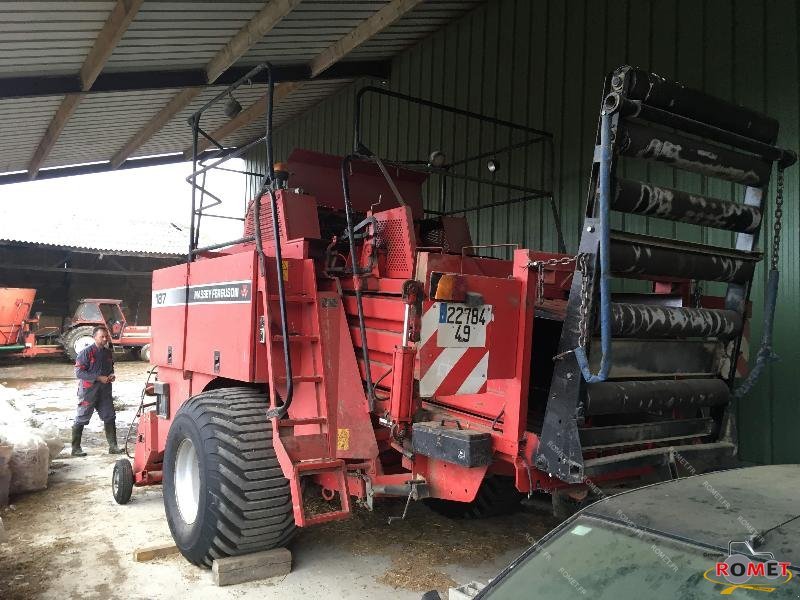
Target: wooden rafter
(253, 113)
(161, 118)
(248, 36)
(363, 32)
(112, 31)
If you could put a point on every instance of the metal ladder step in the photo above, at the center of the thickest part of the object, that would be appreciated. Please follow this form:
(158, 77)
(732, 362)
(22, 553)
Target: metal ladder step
(644, 256)
(296, 338)
(322, 466)
(647, 199)
(302, 378)
(302, 421)
(294, 298)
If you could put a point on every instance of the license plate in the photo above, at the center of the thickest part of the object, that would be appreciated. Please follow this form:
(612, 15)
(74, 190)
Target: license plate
(462, 326)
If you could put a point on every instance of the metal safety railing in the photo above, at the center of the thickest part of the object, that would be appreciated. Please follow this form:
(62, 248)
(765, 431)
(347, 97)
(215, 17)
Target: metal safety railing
(268, 185)
(456, 169)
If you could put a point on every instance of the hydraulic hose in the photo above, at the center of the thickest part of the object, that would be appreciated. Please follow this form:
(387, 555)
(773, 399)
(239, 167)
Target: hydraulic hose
(281, 411)
(605, 262)
(348, 210)
(765, 354)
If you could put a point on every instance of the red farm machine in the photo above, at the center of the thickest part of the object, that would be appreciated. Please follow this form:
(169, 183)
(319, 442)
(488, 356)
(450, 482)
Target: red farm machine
(350, 342)
(91, 312)
(21, 333)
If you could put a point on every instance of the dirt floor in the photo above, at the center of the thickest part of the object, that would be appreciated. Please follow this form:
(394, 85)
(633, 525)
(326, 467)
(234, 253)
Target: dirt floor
(73, 541)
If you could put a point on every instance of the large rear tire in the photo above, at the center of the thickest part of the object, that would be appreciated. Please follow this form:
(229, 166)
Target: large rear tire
(496, 496)
(224, 491)
(75, 340)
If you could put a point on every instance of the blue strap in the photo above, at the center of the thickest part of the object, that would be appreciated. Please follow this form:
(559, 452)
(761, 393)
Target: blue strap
(765, 353)
(605, 262)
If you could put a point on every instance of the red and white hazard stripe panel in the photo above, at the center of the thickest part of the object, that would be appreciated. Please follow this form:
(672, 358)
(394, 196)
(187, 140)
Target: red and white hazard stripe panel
(453, 353)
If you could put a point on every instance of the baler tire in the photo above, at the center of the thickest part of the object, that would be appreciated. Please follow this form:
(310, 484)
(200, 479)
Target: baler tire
(496, 496)
(122, 481)
(144, 353)
(69, 338)
(243, 501)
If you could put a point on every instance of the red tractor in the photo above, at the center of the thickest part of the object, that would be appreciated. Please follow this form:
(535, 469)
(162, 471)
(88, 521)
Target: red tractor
(22, 335)
(349, 346)
(105, 311)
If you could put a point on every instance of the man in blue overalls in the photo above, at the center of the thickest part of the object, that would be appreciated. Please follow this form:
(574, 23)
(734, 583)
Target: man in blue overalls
(94, 368)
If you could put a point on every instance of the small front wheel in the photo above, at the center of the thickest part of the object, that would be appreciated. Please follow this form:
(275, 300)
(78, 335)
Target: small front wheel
(122, 481)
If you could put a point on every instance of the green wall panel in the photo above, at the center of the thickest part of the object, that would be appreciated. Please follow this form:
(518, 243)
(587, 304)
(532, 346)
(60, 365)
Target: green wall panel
(542, 63)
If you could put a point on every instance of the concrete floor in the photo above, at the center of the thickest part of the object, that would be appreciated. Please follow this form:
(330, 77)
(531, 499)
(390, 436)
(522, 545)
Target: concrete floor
(73, 541)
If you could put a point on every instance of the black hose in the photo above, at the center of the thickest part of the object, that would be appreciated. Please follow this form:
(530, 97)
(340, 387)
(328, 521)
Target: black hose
(348, 210)
(287, 357)
(138, 410)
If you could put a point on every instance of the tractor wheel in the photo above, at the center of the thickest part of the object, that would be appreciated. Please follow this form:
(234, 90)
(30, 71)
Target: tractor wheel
(144, 353)
(224, 491)
(496, 496)
(122, 481)
(76, 340)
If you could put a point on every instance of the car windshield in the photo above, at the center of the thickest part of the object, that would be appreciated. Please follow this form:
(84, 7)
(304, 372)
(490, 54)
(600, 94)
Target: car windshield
(592, 558)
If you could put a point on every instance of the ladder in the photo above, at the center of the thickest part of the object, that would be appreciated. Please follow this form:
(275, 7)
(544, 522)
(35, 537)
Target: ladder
(304, 444)
(666, 391)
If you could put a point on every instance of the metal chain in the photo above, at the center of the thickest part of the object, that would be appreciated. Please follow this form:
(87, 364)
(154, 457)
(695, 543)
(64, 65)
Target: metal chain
(777, 223)
(540, 265)
(697, 294)
(580, 265)
(583, 266)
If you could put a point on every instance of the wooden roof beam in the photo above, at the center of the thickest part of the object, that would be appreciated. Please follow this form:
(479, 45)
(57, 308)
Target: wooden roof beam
(367, 29)
(247, 37)
(117, 23)
(250, 115)
(154, 125)
(363, 32)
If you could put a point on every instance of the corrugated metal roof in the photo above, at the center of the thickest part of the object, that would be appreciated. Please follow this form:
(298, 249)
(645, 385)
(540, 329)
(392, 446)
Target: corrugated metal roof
(54, 37)
(48, 37)
(23, 121)
(311, 28)
(102, 233)
(175, 35)
(103, 122)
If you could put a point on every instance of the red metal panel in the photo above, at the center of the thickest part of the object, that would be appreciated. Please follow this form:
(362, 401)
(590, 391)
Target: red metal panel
(320, 175)
(15, 307)
(353, 426)
(297, 217)
(445, 371)
(395, 242)
(220, 323)
(167, 316)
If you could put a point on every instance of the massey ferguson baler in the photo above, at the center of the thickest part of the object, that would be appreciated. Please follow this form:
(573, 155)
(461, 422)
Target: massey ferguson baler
(349, 346)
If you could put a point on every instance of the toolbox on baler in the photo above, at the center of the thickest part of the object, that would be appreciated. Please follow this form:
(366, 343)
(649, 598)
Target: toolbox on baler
(449, 442)
(349, 342)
